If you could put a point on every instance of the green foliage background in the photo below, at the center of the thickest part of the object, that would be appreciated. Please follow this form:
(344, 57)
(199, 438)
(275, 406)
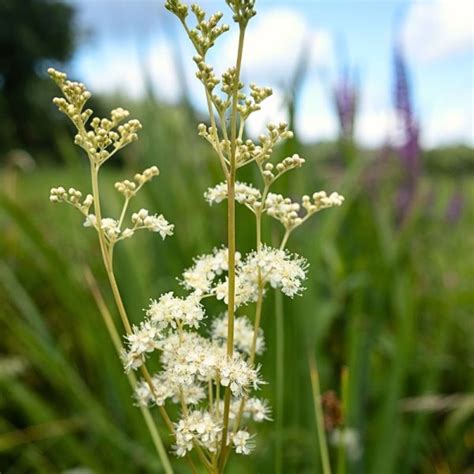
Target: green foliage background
(392, 304)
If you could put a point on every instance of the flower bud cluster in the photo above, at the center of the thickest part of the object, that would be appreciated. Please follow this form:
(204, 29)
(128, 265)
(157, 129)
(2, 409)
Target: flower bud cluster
(288, 212)
(284, 210)
(177, 7)
(252, 104)
(272, 172)
(103, 141)
(243, 10)
(229, 81)
(321, 200)
(106, 136)
(130, 188)
(275, 134)
(206, 32)
(205, 73)
(71, 196)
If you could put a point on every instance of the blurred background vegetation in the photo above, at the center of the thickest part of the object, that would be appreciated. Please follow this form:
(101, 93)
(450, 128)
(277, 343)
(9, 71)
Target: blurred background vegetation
(389, 301)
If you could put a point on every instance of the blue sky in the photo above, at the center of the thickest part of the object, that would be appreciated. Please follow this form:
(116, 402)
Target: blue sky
(130, 37)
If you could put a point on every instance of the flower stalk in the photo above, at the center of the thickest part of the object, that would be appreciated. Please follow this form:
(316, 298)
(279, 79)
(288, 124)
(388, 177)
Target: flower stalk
(211, 378)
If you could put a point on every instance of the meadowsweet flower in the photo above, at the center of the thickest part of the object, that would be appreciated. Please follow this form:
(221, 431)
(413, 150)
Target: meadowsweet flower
(246, 288)
(206, 268)
(171, 311)
(237, 374)
(197, 427)
(143, 339)
(143, 220)
(244, 194)
(279, 268)
(242, 442)
(243, 334)
(161, 391)
(90, 221)
(257, 409)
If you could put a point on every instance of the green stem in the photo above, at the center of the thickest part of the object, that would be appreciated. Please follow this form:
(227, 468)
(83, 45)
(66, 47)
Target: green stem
(107, 258)
(114, 335)
(318, 410)
(341, 454)
(231, 237)
(285, 239)
(280, 348)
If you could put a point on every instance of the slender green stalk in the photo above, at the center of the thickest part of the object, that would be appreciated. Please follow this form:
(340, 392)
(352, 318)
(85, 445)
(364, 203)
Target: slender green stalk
(231, 237)
(107, 317)
(280, 348)
(318, 410)
(285, 239)
(108, 263)
(341, 454)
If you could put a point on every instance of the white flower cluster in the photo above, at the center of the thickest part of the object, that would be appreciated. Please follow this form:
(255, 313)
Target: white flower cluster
(244, 194)
(205, 429)
(172, 311)
(206, 268)
(243, 442)
(198, 427)
(277, 267)
(256, 409)
(142, 340)
(275, 205)
(189, 360)
(193, 366)
(112, 227)
(109, 226)
(143, 220)
(243, 334)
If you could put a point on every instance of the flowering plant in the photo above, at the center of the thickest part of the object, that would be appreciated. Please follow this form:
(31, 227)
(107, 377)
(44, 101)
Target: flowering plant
(211, 375)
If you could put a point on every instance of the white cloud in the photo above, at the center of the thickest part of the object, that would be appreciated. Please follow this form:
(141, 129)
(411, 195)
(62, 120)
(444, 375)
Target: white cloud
(438, 29)
(112, 69)
(448, 127)
(162, 69)
(374, 127)
(274, 43)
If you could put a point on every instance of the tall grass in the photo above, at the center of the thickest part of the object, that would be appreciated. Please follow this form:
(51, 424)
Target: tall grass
(393, 305)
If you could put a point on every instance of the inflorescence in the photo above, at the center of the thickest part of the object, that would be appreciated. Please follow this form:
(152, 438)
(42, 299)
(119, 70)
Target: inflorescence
(196, 367)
